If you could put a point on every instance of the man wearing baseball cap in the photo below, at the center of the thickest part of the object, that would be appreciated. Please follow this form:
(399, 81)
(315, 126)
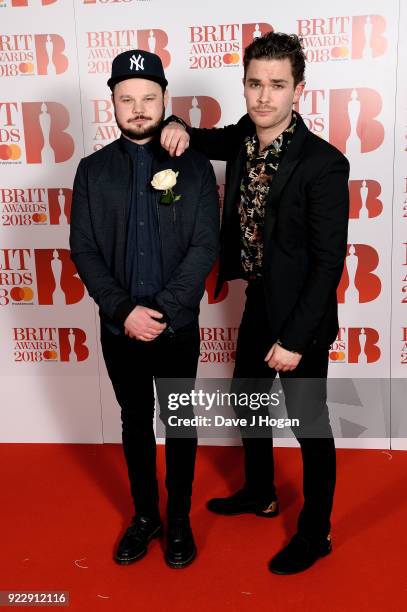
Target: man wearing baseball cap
(144, 236)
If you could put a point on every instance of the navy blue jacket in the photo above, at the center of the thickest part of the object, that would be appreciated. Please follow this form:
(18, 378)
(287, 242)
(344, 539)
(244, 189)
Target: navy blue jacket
(189, 231)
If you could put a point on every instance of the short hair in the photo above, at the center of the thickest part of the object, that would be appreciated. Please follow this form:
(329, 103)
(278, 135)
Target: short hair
(277, 45)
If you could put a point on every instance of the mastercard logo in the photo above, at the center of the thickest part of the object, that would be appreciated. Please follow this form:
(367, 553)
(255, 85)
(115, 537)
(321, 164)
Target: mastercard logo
(39, 217)
(26, 67)
(231, 58)
(22, 294)
(12, 151)
(338, 52)
(337, 356)
(50, 355)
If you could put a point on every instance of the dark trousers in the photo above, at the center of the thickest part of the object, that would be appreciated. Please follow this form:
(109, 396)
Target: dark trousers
(305, 397)
(133, 365)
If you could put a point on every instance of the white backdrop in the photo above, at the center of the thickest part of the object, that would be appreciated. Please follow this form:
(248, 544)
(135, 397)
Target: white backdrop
(55, 58)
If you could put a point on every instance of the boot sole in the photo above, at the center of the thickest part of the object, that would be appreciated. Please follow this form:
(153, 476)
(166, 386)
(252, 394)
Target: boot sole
(180, 564)
(127, 561)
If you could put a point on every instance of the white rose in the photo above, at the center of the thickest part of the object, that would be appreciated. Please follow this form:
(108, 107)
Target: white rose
(166, 179)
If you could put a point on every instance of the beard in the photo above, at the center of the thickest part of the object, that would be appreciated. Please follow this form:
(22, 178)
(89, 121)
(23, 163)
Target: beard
(140, 133)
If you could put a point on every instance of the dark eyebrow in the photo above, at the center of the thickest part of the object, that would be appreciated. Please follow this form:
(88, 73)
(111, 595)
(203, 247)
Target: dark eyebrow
(274, 81)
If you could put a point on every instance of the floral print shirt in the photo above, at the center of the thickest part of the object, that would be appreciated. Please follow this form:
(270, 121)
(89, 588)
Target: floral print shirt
(260, 168)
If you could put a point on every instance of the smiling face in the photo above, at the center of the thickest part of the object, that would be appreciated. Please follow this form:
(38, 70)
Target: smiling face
(270, 94)
(139, 107)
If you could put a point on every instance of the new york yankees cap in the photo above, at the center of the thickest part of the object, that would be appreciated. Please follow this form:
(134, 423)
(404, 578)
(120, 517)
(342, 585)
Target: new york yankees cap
(135, 64)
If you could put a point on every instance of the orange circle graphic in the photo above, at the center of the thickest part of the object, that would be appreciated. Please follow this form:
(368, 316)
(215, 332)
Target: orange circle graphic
(235, 58)
(28, 294)
(15, 151)
(49, 355)
(337, 52)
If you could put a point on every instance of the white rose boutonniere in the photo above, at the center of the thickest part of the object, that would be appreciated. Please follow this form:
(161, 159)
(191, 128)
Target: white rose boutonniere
(165, 181)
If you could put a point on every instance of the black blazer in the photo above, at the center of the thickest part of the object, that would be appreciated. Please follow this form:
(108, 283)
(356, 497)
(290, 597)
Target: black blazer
(189, 231)
(305, 234)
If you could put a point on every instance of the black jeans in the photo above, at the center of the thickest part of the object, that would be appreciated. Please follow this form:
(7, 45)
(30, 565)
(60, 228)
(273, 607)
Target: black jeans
(132, 366)
(305, 397)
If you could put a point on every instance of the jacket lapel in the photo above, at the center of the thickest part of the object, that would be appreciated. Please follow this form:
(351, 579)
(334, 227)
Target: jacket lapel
(284, 172)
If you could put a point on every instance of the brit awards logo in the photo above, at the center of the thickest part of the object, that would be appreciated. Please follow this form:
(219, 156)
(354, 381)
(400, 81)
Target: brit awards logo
(348, 118)
(35, 206)
(219, 46)
(364, 199)
(355, 345)
(104, 46)
(343, 38)
(36, 131)
(52, 344)
(218, 344)
(29, 54)
(43, 277)
(359, 283)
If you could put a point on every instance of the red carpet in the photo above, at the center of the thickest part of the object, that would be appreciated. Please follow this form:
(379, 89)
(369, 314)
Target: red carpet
(67, 503)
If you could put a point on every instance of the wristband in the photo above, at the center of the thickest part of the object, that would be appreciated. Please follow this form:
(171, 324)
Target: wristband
(175, 119)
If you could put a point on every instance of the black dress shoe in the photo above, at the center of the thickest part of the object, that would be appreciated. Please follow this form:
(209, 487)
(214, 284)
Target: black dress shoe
(299, 554)
(181, 549)
(243, 502)
(133, 545)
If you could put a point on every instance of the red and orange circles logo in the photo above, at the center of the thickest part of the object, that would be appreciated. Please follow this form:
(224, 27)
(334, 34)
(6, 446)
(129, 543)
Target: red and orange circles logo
(10, 152)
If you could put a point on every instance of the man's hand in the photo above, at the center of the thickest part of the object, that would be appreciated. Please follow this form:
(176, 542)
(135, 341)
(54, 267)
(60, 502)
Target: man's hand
(282, 360)
(175, 139)
(141, 325)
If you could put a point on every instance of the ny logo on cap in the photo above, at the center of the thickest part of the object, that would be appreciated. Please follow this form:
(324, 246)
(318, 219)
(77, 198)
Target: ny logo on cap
(137, 62)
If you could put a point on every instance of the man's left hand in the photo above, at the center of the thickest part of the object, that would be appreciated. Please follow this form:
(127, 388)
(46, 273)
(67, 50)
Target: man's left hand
(282, 360)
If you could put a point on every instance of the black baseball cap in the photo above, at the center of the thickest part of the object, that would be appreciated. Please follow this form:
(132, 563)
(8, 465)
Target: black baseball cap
(139, 64)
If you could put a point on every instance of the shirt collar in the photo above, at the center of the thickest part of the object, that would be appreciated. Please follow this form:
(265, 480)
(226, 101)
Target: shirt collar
(252, 142)
(133, 148)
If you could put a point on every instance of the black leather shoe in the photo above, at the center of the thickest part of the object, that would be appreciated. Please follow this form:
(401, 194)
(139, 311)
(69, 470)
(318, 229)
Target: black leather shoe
(243, 502)
(133, 545)
(299, 554)
(181, 549)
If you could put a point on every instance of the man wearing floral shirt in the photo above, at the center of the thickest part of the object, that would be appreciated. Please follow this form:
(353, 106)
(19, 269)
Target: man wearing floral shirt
(284, 230)
(144, 235)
